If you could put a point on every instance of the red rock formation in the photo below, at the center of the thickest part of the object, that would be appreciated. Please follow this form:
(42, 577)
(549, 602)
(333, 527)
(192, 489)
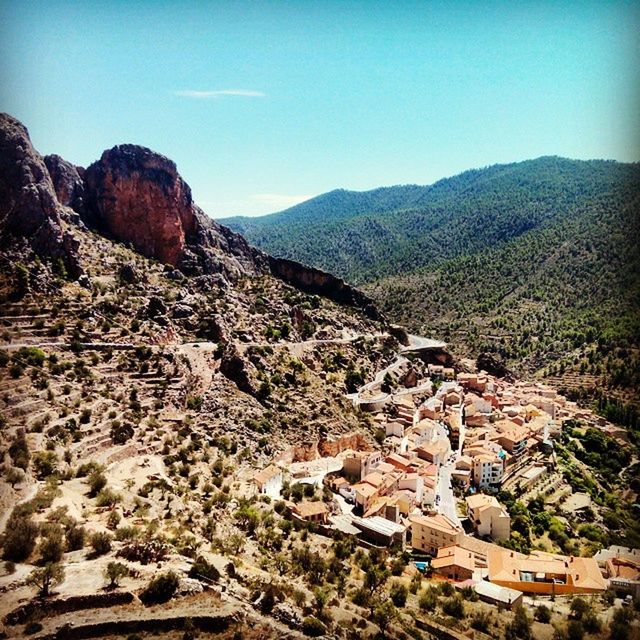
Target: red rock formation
(137, 196)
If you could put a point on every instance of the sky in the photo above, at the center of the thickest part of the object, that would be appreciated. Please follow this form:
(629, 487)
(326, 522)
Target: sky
(265, 104)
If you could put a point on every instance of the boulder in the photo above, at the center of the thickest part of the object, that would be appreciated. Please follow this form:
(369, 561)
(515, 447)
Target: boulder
(129, 273)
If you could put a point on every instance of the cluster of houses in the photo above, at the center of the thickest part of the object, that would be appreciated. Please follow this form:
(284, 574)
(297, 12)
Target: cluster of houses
(483, 434)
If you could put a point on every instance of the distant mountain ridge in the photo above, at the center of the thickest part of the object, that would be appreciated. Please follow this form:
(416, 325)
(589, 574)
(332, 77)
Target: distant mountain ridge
(537, 260)
(363, 236)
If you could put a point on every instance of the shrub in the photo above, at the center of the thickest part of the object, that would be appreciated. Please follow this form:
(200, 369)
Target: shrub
(201, 568)
(542, 614)
(520, 627)
(19, 538)
(144, 552)
(100, 543)
(428, 600)
(480, 621)
(575, 630)
(75, 536)
(107, 498)
(398, 594)
(313, 627)
(97, 482)
(160, 589)
(19, 451)
(32, 627)
(51, 547)
(454, 607)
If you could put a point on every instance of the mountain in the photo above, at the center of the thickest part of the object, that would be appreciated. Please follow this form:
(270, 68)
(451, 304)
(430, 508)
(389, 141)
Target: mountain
(117, 258)
(537, 260)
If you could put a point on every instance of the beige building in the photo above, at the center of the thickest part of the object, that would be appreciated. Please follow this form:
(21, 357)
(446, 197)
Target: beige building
(544, 573)
(432, 532)
(454, 563)
(488, 469)
(489, 517)
(269, 481)
(361, 463)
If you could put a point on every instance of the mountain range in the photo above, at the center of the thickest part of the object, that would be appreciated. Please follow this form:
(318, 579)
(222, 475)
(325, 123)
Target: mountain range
(536, 260)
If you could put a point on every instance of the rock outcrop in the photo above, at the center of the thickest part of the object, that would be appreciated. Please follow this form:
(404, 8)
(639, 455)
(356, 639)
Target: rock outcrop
(494, 365)
(29, 209)
(68, 182)
(321, 283)
(137, 196)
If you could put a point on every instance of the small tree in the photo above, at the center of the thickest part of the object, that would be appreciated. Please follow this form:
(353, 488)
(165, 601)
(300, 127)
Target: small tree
(14, 476)
(101, 543)
(114, 572)
(46, 577)
(384, 615)
(520, 627)
(398, 594)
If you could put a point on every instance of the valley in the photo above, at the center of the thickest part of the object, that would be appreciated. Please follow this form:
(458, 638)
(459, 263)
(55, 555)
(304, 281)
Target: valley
(201, 440)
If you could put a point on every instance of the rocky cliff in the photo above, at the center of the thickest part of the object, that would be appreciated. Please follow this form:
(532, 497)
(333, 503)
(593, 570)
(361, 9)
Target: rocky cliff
(29, 209)
(68, 182)
(134, 195)
(138, 196)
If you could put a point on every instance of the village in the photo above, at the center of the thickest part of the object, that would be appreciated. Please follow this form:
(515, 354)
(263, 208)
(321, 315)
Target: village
(448, 445)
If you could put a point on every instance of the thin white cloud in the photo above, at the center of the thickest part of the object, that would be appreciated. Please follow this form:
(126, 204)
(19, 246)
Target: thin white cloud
(204, 95)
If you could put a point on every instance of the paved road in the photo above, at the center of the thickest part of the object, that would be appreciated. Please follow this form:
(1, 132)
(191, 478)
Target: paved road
(418, 343)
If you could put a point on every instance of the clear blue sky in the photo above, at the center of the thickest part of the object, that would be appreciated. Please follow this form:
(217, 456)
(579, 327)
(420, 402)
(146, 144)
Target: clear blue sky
(263, 103)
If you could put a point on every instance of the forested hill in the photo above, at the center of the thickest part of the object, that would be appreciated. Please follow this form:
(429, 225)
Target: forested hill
(536, 260)
(366, 236)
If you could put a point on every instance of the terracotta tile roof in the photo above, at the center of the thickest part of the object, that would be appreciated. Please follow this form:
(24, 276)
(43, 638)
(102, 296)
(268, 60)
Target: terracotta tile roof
(454, 556)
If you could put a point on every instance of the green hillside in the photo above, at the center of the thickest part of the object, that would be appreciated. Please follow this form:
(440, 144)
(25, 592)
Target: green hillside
(537, 260)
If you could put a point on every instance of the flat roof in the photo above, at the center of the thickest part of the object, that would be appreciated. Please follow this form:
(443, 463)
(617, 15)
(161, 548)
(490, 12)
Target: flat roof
(379, 525)
(496, 592)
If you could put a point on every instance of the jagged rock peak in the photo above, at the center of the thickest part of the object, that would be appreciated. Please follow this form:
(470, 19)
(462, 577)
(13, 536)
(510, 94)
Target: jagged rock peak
(68, 182)
(29, 209)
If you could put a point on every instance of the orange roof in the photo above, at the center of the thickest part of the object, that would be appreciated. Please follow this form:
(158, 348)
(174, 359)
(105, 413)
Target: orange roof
(506, 566)
(374, 478)
(307, 509)
(481, 501)
(437, 521)
(365, 489)
(454, 556)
